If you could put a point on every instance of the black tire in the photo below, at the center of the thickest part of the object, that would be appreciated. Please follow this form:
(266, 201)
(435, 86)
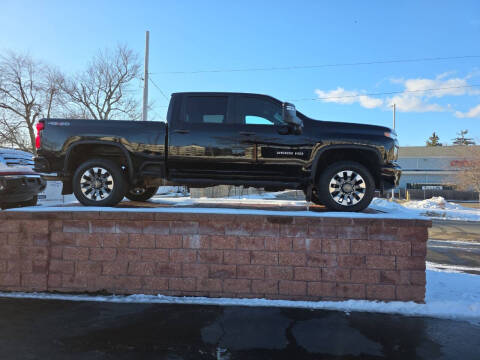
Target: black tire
(109, 179)
(135, 194)
(355, 192)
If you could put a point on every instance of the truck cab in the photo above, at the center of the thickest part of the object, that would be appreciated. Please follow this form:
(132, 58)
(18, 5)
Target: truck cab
(245, 139)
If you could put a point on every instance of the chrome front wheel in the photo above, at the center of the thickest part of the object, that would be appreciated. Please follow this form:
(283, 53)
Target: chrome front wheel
(347, 188)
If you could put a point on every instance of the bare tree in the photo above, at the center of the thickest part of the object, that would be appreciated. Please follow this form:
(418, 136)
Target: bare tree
(54, 98)
(25, 90)
(103, 91)
(468, 178)
(12, 132)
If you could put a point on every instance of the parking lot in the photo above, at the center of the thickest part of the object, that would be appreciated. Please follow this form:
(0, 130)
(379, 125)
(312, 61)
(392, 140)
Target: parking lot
(39, 329)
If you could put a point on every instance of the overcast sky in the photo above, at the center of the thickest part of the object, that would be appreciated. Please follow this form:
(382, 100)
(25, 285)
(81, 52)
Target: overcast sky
(189, 36)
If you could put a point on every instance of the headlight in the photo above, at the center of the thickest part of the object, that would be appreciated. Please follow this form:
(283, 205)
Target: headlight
(391, 134)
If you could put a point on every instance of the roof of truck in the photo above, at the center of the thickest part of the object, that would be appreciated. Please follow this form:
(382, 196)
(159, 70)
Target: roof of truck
(222, 93)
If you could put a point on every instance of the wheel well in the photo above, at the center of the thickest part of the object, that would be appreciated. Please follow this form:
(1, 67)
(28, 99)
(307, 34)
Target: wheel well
(84, 152)
(367, 158)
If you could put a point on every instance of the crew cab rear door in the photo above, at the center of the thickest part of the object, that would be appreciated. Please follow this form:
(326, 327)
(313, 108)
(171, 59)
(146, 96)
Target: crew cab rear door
(203, 140)
(280, 153)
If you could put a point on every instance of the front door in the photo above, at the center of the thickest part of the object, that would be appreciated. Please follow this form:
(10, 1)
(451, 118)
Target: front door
(280, 153)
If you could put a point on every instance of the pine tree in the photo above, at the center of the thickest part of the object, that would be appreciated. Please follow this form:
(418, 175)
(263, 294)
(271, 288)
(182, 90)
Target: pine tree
(462, 140)
(433, 140)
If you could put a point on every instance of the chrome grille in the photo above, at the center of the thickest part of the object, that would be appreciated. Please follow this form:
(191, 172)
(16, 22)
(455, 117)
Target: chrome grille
(12, 157)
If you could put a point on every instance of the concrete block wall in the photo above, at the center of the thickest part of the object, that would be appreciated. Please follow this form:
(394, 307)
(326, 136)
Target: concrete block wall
(214, 255)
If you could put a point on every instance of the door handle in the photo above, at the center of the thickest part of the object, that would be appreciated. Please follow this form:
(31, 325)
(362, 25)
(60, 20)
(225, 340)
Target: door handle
(246, 133)
(181, 131)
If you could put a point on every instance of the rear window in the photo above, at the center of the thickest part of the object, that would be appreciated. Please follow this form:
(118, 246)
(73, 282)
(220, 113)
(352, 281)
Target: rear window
(206, 109)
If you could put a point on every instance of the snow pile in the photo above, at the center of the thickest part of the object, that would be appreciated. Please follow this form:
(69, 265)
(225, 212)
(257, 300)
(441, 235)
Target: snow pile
(387, 206)
(450, 295)
(436, 207)
(434, 203)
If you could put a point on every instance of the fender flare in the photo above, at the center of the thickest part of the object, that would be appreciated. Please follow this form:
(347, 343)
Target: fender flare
(341, 146)
(100, 142)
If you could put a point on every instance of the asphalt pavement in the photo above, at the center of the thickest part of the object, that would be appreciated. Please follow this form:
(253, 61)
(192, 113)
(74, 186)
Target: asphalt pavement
(41, 329)
(455, 243)
(455, 230)
(465, 255)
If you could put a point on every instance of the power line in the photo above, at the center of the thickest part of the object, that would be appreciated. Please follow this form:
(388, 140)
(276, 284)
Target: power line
(385, 93)
(300, 67)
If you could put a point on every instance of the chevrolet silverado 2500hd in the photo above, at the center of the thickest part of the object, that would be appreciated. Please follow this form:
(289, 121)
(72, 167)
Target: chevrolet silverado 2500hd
(220, 138)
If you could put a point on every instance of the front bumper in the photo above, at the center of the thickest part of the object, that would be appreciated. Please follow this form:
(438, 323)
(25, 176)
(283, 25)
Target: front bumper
(21, 187)
(390, 176)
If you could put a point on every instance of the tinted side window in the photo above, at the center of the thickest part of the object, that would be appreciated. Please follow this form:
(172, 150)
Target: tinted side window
(206, 109)
(255, 111)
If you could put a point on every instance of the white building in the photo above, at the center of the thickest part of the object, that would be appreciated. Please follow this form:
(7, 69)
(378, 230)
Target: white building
(431, 167)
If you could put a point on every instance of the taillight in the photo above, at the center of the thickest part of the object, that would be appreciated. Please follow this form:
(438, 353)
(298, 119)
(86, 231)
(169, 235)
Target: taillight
(40, 127)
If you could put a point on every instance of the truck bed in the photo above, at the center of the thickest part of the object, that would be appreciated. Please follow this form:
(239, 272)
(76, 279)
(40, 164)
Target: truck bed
(142, 138)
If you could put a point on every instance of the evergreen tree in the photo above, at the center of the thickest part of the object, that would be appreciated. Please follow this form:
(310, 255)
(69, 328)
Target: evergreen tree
(462, 140)
(433, 140)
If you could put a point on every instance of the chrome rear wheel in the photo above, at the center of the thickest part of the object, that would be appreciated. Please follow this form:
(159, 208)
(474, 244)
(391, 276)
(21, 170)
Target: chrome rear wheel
(96, 183)
(99, 182)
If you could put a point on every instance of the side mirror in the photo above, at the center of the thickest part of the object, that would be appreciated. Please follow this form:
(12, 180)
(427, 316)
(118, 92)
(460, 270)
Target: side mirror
(290, 115)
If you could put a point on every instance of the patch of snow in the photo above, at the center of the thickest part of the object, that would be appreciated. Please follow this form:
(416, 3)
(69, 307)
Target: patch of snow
(171, 190)
(52, 195)
(231, 211)
(434, 208)
(265, 195)
(450, 295)
(434, 203)
(451, 268)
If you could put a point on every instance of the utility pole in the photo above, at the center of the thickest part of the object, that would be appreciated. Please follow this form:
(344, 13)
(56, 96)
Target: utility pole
(145, 80)
(393, 116)
(393, 189)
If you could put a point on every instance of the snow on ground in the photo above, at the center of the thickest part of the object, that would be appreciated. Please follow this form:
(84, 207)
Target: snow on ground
(435, 208)
(450, 295)
(251, 199)
(213, 210)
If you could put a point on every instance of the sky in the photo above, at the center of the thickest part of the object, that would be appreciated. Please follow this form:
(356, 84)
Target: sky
(189, 36)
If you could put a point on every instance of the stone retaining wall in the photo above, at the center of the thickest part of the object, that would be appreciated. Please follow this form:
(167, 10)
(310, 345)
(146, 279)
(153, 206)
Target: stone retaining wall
(214, 255)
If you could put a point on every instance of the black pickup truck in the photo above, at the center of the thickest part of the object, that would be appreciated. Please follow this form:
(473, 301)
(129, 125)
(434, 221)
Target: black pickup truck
(220, 138)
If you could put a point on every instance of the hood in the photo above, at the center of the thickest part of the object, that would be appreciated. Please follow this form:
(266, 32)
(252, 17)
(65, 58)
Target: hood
(344, 127)
(16, 158)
